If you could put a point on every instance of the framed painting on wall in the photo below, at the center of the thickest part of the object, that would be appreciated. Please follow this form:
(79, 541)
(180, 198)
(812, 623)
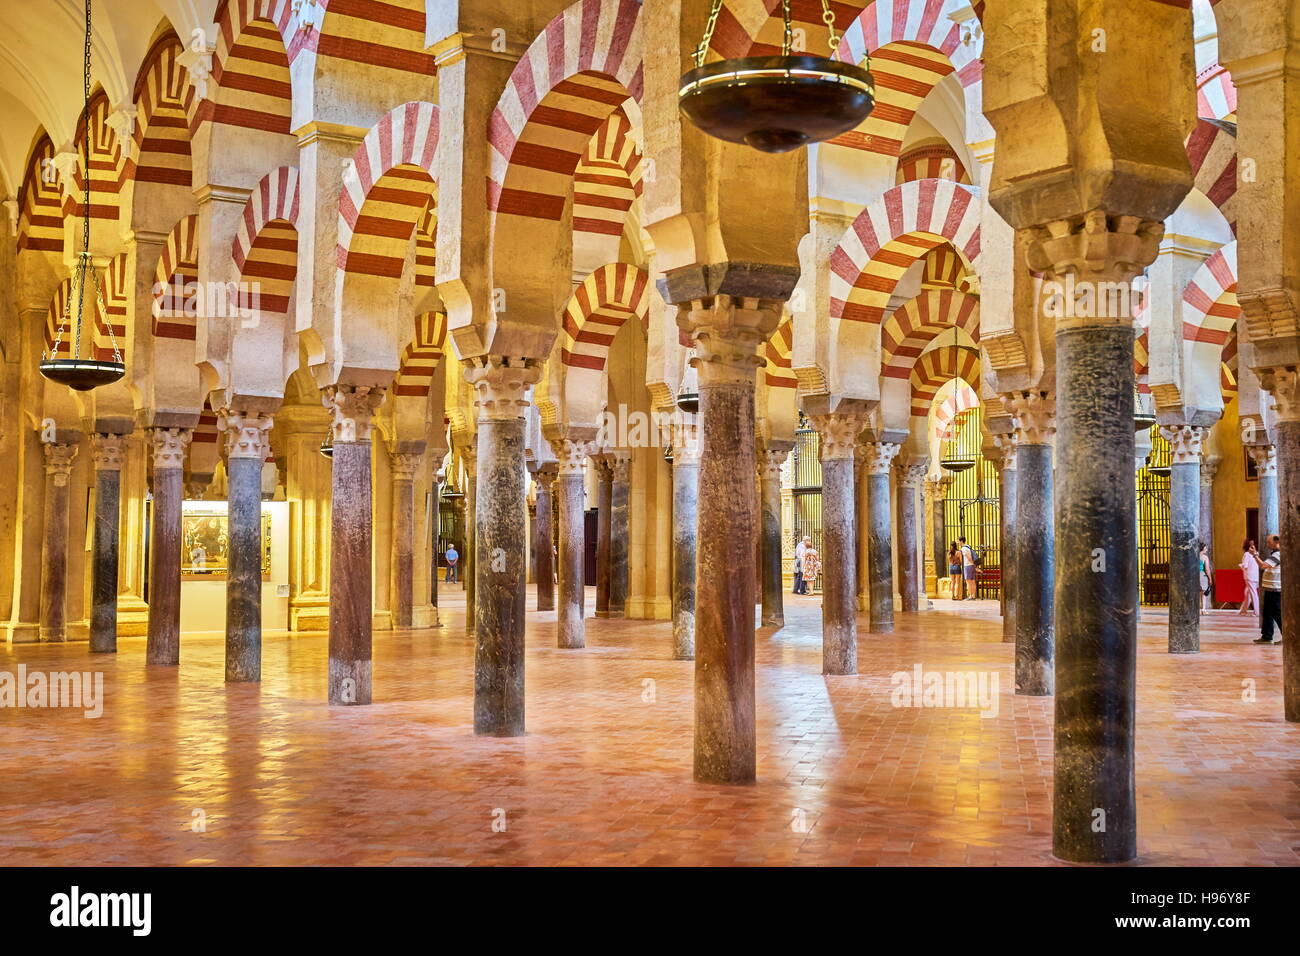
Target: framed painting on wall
(205, 545)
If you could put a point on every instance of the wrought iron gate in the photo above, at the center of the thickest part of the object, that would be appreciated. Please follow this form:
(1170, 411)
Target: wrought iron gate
(1153, 522)
(806, 493)
(972, 505)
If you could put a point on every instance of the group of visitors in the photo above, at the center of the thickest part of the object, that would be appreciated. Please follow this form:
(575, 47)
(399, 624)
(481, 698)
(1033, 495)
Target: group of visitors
(963, 568)
(1262, 579)
(807, 565)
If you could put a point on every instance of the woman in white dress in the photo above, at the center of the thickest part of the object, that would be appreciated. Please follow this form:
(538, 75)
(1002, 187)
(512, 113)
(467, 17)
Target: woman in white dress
(1250, 575)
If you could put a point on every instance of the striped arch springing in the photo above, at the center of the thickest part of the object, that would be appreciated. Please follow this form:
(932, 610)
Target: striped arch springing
(910, 328)
(116, 297)
(580, 68)
(957, 401)
(426, 246)
(421, 357)
(274, 197)
(250, 86)
(205, 444)
(1210, 330)
(165, 106)
(778, 351)
(598, 309)
(1212, 150)
(1216, 94)
(40, 216)
(92, 320)
(890, 235)
(265, 248)
(106, 164)
(389, 34)
(387, 191)
(1228, 371)
(607, 181)
(913, 45)
(175, 282)
(937, 368)
(931, 160)
(944, 269)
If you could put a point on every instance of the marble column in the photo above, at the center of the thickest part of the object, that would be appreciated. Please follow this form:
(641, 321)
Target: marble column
(1035, 574)
(501, 544)
(544, 478)
(569, 482)
(620, 463)
(1265, 457)
(1184, 537)
(107, 451)
(686, 485)
(726, 332)
(878, 457)
(403, 466)
(770, 460)
(164, 642)
(1209, 468)
(436, 489)
(604, 493)
(54, 545)
(351, 542)
(468, 562)
(911, 588)
(838, 432)
(935, 491)
(247, 442)
(1008, 509)
(1284, 386)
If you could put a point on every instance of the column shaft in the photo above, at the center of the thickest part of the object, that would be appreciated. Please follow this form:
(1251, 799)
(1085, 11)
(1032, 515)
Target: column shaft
(103, 611)
(54, 546)
(686, 484)
(619, 529)
(244, 579)
(1184, 556)
(770, 533)
(164, 642)
(839, 566)
(543, 537)
(1035, 574)
(1288, 485)
(351, 580)
(604, 496)
(403, 550)
(909, 582)
(570, 630)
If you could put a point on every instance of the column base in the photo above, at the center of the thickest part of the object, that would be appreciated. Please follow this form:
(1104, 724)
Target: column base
(310, 614)
(78, 631)
(602, 614)
(424, 615)
(132, 617)
(381, 621)
(22, 633)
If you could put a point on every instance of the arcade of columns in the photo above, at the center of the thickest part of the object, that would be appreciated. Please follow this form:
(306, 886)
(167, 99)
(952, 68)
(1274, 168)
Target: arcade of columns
(335, 162)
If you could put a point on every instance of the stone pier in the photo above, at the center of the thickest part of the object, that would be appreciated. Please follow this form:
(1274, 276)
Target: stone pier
(107, 454)
(247, 442)
(164, 643)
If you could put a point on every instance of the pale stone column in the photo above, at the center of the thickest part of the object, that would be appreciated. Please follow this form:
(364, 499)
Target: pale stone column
(1265, 458)
(1035, 416)
(838, 432)
(544, 478)
(770, 460)
(910, 586)
(878, 459)
(570, 479)
(164, 643)
(604, 496)
(403, 466)
(248, 438)
(620, 463)
(686, 485)
(107, 453)
(351, 542)
(1184, 534)
(1009, 509)
(54, 547)
(936, 559)
(727, 332)
(501, 542)
(861, 529)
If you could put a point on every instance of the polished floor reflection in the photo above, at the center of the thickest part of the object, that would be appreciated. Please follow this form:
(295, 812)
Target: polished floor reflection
(182, 769)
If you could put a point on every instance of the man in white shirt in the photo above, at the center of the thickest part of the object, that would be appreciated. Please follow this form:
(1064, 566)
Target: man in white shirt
(1270, 591)
(967, 568)
(800, 586)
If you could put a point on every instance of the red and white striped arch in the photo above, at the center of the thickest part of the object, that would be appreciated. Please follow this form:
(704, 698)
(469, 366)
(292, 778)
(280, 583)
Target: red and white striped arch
(1210, 314)
(1216, 94)
(779, 351)
(205, 446)
(606, 182)
(585, 64)
(597, 310)
(106, 165)
(265, 248)
(40, 215)
(890, 235)
(426, 247)
(421, 357)
(910, 328)
(389, 34)
(92, 321)
(1212, 150)
(165, 104)
(954, 403)
(274, 197)
(931, 161)
(1228, 371)
(116, 297)
(936, 368)
(175, 281)
(250, 69)
(387, 191)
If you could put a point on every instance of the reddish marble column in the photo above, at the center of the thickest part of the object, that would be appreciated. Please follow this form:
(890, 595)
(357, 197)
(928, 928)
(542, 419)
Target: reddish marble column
(686, 486)
(247, 442)
(770, 461)
(1035, 417)
(570, 475)
(164, 643)
(54, 546)
(839, 433)
(403, 467)
(1007, 533)
(1284, 386)
(1209, 468)
(910, 585)
(1184, 537)
(469, 582)
(107, 453)
(604, 495)
(543, 537)
(620, 491)
(351, 543)
(501, 545)
(879, 456)
(726, 332)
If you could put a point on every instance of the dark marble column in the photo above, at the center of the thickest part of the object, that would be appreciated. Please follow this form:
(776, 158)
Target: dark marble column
(54, 545)
(1008, 509)
(727, 333)
(879, 456)
(468, 562)
(1184, 537)
(1209, 468)
(544, 569)
(1265, 457)
(403, 467)
(838, 432)
(1035, 574)
(570, 478)
(686, 484)
(1094, 803)
(770, 461)
(247, 441)
(164, 642)
(910, 585)
(437, 539)
(619, 528)
(604, 492)
(501, 545)
(1287, 430)
(107, 453)
(351, 543)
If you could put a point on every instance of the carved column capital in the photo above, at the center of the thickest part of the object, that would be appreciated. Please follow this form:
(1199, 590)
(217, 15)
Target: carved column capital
(727, 332)
(403, 465)
(500, 383)
(600, 462)
(1284, 385)
(545, 474)
(169, 446)
(911, 473)
(838, 432)
(1184, 442)
(58, 461)
(771, 458)
(248, 434)
(686, 443)
(107, 451)
(1265, 458)
(878, 456)
(1035, 415)
(620, 465)
(935, 488)
(352, 407)
(571, 456)
(1209, 468)
(1007, 444)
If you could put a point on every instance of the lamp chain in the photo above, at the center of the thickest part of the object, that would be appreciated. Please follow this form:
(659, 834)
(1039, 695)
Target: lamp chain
(702, 50)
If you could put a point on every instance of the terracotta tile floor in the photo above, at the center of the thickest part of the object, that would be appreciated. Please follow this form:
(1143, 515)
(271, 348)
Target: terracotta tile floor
(604, 774)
